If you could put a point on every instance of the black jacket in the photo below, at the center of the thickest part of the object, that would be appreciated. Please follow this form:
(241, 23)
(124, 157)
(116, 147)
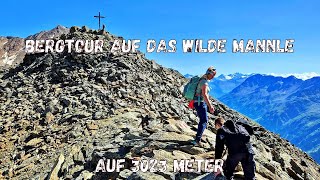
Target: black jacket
(235, 137)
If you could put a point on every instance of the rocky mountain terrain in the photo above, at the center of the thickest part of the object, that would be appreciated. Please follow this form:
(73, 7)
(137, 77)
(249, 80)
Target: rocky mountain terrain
(12, 49)
(288, 106)
(61, 113)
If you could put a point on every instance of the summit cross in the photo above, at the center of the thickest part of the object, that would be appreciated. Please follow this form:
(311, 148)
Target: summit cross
(99, 17)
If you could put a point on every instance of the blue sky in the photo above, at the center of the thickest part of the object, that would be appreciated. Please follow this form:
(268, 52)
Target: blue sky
(188, 19)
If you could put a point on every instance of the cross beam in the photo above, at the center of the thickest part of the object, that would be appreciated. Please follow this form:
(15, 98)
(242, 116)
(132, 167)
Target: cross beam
(99, 17)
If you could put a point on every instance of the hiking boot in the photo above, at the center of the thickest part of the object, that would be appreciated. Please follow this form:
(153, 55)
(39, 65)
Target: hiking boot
(194, 142)
(200, 144)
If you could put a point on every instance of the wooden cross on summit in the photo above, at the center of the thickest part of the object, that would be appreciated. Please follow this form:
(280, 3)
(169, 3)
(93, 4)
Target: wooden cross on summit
(99, 18)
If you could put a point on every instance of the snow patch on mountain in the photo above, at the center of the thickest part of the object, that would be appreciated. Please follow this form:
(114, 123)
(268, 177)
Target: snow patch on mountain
(303, 76)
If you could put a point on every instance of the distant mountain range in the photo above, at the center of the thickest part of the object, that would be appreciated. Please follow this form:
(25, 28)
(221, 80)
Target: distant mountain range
(12, 49)
(223, 84)
(288, 106)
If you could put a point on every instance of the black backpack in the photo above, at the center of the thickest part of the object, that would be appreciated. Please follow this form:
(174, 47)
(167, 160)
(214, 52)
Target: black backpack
(237, 137)
(246, 125)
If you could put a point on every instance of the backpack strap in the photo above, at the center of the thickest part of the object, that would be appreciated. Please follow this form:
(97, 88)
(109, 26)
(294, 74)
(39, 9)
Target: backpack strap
(195, 92)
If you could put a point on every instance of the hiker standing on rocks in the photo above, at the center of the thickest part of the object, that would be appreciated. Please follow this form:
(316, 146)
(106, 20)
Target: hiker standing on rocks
(202, 103)
(237, 139)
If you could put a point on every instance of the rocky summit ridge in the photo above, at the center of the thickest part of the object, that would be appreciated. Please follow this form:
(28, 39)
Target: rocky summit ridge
(61, 113)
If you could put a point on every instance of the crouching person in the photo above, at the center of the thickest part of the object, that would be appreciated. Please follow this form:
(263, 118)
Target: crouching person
(237, 140)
